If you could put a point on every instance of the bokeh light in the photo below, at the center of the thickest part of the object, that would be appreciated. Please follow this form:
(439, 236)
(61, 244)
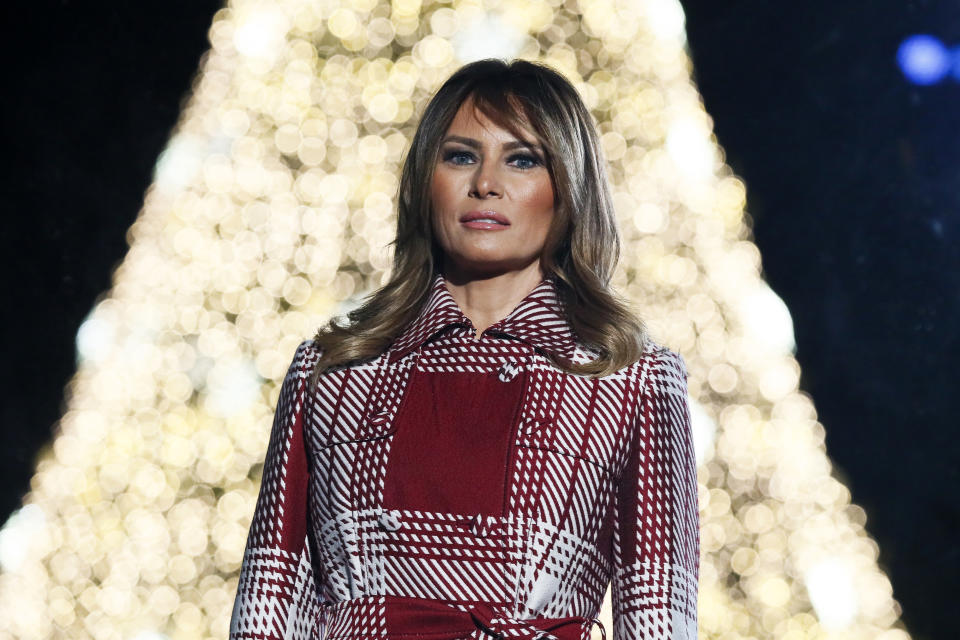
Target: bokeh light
(271, 210)
(924, 59)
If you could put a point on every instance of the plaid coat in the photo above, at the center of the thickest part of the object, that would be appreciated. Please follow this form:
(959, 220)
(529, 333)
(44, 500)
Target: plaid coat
(466, 488)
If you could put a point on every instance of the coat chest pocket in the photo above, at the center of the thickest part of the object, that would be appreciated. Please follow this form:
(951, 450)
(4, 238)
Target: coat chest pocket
(592, 443)
(375, 424)
(570, 476)
(351, 460)
(348, 406)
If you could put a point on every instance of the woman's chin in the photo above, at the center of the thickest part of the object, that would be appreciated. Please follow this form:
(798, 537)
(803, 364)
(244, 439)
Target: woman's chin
(484, 267)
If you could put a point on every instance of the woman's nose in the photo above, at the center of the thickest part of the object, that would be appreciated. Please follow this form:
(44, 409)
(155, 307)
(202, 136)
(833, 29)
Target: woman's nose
(486, 182)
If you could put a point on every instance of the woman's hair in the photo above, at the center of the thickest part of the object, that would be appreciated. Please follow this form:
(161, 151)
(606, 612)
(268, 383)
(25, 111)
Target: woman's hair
(582, 245)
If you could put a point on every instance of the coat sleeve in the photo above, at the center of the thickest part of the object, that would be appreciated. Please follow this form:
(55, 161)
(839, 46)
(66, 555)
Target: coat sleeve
(278, 595)
(656, 542)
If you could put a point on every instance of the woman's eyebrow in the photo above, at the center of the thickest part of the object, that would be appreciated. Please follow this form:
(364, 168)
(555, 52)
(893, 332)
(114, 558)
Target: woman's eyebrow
(470, 142)
(522, 144)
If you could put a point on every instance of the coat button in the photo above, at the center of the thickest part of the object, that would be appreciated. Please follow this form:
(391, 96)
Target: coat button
(508, 371)
(379, 416)
(389, 521)
(373, 425)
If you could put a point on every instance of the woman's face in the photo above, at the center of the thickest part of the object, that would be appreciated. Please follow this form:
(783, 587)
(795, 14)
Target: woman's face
(492, 198)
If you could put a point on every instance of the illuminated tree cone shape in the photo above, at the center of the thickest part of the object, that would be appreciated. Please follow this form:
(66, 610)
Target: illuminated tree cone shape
(273, 204)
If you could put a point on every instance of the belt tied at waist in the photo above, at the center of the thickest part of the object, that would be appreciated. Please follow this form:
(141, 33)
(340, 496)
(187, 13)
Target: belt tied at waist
(531, 628)
(439, 620)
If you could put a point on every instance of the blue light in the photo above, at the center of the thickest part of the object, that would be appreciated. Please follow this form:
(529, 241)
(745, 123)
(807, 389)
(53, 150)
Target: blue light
(955, 62)
(924, 59)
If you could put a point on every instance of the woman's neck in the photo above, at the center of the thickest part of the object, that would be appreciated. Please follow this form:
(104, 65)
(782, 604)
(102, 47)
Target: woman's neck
(487, 300)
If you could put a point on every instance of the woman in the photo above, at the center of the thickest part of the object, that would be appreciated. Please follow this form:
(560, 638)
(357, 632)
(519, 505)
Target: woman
(491, 439)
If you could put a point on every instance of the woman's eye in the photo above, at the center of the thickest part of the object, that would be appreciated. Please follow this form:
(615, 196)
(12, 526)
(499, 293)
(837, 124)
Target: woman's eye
(524, 161)
(458, 157)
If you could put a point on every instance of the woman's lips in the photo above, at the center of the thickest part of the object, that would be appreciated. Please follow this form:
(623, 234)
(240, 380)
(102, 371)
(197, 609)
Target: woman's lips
(487, 220)
(480, 223)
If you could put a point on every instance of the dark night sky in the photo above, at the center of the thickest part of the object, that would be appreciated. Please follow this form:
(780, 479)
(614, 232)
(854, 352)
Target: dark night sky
(852, 182)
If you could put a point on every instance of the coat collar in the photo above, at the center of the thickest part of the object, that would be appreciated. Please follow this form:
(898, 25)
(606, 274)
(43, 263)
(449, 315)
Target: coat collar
(538, 320)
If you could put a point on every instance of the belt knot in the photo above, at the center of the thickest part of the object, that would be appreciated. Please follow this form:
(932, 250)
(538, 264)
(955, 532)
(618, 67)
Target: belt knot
(502, 627)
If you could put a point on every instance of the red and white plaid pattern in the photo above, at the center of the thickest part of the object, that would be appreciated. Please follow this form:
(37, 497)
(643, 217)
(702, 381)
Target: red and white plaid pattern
(598, 483)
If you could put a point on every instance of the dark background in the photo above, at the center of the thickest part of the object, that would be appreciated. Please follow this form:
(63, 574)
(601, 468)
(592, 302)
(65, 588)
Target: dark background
(852, 182)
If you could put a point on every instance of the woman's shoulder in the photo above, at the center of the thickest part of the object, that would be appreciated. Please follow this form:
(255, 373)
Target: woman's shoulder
(662, 372)
(660, 356)
(309, 352)
(654, 358)
(307, 349)
(305, 358)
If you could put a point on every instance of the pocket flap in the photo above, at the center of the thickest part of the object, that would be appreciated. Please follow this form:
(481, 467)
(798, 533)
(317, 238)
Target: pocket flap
(585, 443)
(376, 424)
